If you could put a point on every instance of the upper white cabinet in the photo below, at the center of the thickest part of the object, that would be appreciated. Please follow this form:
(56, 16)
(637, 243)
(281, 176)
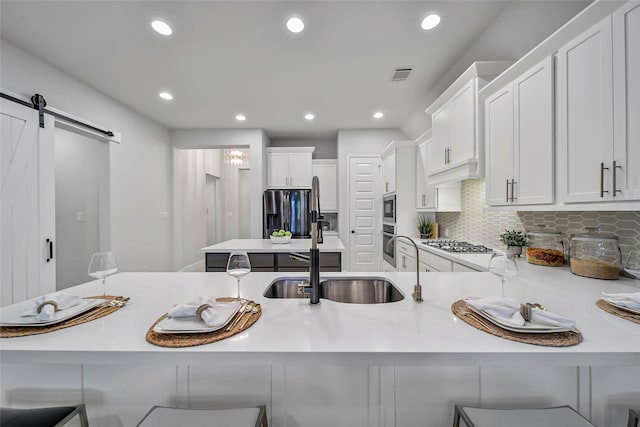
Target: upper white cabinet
(519, 139)
(327, 173)
(598, 129)
(626, 101)
(289, 167)
(457, 148)
(425, 192)
(389, 170)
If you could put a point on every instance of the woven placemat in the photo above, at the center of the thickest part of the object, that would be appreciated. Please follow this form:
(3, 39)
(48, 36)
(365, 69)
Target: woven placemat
(555, 339)
(189, 340)
(611, 309)
(87, 316)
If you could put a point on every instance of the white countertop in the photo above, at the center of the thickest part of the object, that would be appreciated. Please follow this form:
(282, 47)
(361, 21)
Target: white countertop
(291, 331)
(330, 244)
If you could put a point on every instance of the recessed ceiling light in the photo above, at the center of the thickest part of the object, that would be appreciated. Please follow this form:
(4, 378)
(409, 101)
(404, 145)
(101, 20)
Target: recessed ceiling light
(165, 95)
(378, 115)
(309, 116)
(241, 117)
(430, 22)
(295, 25)
(161, 27)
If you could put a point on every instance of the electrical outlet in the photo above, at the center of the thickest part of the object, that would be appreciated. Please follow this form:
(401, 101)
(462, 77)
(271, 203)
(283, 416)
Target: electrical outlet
(80, 216)
(446, 232)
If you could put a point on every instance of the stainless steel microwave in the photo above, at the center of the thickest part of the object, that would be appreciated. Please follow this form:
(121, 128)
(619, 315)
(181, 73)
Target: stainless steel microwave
(389, 208)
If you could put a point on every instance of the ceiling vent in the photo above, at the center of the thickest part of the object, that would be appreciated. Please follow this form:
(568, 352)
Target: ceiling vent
(401, 74)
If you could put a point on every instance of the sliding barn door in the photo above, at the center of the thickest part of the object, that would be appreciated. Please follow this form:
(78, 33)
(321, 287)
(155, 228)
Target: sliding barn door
(27, 204)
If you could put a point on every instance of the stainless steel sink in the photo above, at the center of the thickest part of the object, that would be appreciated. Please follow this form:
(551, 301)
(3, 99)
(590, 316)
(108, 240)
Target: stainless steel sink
(353, 290)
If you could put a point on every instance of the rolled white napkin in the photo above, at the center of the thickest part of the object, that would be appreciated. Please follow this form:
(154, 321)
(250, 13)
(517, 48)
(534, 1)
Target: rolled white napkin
(59, 301)
(215, 315)
(630, 299)
(508, 311)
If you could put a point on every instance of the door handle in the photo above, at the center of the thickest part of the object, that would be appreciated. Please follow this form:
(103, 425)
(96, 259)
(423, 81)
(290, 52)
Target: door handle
(50, 257)
(353, 231)
(423, 202)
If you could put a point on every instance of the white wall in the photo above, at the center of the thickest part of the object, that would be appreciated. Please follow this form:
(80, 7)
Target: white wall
(256, 140)
(324, 148)
(140, 167)
(520, 27)
(78, 161)
(368, 142)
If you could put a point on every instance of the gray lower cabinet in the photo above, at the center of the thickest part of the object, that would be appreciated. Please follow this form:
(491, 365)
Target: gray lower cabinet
(279, 261)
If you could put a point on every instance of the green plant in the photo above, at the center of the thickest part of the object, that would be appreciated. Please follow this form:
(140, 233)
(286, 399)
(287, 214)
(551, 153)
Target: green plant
(515, 238)
(425, 226)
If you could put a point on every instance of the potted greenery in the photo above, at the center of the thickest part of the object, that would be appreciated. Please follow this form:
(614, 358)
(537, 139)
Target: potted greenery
(515, 241)
(425, 227)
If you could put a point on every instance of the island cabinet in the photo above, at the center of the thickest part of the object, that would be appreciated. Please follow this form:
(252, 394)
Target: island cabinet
(289, 167)
(457, 149)
(519, 139)
(281, 261)
(598, 130)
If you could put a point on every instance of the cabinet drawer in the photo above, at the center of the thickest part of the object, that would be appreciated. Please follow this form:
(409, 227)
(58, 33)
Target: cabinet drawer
(217, 261)
(406, 249)
(437, 262)
(262, 261)
(327, 259)
(462, 268)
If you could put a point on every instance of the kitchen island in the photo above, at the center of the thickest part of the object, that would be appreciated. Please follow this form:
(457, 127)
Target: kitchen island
(268, 256)
(345, 364)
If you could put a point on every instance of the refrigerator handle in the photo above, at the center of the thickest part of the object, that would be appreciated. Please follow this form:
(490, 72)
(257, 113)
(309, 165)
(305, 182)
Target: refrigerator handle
(286, 212)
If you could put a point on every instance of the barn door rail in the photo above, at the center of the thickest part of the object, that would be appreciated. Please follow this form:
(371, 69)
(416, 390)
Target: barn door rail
(39, 103)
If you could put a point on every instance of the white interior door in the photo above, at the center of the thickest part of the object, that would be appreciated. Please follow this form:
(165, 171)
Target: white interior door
(364, 214)
(27, 212)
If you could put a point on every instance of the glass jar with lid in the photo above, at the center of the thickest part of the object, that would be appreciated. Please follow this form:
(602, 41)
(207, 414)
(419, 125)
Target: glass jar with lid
(546, 248)
(596, 254)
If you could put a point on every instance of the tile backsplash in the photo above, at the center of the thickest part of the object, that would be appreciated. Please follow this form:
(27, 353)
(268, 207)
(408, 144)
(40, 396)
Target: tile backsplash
(476, 225)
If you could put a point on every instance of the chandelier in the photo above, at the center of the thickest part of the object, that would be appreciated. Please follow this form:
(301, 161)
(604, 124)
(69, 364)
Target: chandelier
(236, 157)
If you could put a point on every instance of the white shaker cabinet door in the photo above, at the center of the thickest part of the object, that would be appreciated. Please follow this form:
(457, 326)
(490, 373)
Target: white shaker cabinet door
(626, 69)
(500, 143)
(300, 166)
(534, 160)
(441, 137)
(425, 193)
(585, 116)
(278, 170)
(462, 146)
(389, 172)
(327, 173)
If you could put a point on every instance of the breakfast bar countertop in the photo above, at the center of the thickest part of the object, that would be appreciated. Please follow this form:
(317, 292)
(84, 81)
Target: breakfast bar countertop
(291, 331)
(330, 244)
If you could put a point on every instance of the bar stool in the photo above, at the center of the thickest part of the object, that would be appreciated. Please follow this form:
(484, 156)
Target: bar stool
(634, 416)
(162, 416)
(564, 416)
(43, 417)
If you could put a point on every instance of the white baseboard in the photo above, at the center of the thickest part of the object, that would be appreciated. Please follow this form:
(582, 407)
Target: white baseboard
(196, 266)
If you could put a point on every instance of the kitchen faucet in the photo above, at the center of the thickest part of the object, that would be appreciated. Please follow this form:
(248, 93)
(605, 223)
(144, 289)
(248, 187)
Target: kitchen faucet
(417, 289)
(314, 255)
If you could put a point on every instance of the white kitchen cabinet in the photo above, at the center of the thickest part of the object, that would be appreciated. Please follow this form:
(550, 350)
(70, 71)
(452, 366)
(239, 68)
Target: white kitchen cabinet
(626, 104)
(389, 171)
(457, 149)
(585, 116)
(432, 262)
(519, 139)
(289, 167)
(327, 173)
(406, 261)
(426, 198)
(461, 268)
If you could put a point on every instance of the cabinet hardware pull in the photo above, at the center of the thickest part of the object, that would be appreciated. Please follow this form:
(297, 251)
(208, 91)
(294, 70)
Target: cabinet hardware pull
(423, 202)
(50, 257)
(291, 181)
(615, 185)
(602, 190)
(386, 188)
(445, 156)
(513, 190)
(507, 196)
(448, 155)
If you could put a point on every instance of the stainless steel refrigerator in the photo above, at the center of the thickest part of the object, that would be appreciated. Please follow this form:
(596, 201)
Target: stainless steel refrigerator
(287, 210)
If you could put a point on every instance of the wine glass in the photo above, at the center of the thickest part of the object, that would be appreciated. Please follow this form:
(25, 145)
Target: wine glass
(504, 266)
(632, 266)
(103, 265)
(238, 266)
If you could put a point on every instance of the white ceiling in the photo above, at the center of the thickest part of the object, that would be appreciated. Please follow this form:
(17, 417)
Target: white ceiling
(229, 57)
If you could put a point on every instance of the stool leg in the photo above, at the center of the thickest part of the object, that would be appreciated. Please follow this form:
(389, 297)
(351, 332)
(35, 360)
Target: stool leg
(633, 419)
(84, 419)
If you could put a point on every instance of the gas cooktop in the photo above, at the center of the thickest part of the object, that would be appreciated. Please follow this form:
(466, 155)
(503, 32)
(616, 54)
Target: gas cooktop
(456, 246)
